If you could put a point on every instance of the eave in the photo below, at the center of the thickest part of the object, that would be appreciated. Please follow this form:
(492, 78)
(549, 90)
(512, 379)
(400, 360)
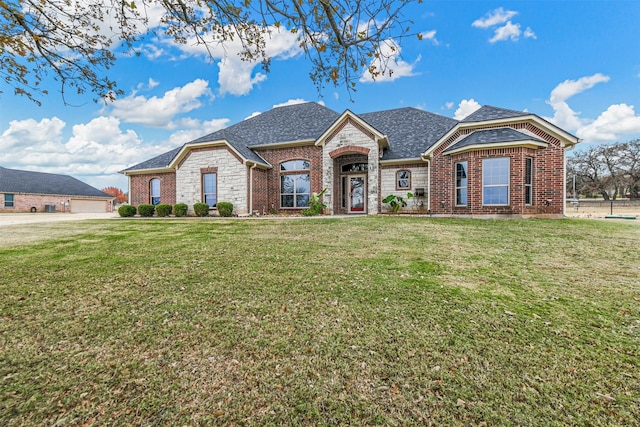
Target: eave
(392, 162)
(488, 146)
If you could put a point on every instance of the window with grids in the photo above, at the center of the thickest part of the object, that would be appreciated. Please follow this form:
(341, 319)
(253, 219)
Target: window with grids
(403, 180)
(295, 184)
(528, 181)
(461, 184)
(8, 201)
(154, 191)
(495, 181)
(210, 189)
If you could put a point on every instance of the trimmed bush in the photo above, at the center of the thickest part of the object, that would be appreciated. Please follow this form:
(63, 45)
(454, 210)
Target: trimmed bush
(127, 210)
(225, 208)
(146, 209)
(180, 209)
(163, 209)
(201, 209)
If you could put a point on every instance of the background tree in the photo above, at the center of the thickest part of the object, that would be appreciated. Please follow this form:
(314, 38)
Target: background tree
(609, 170)
(120, 196)
(75, 41)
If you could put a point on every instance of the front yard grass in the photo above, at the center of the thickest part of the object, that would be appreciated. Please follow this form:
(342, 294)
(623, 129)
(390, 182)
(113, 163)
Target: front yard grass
(360, 321)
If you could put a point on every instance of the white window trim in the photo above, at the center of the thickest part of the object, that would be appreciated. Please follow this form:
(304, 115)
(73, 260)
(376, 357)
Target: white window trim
(456, 183)
(508, 184)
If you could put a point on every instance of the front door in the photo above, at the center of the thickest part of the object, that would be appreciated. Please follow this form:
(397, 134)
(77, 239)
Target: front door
(357, 193)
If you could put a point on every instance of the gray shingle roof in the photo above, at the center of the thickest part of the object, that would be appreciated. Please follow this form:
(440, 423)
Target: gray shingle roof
(410, 131)
(487, 112)
(19, 181)
(492, 136)
(281, 124)
(158, 162)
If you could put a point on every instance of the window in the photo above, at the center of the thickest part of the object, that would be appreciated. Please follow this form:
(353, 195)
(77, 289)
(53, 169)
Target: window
(403, 180)
(8, 201)
(461, 184)
(295, 184)
(154, 191)
(495, 181)
(210, 189)
(528, 181)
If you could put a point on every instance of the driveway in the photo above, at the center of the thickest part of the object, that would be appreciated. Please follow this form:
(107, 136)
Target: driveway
(34, 218)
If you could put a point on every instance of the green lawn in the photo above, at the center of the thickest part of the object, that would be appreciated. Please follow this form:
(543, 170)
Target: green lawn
(363, 321)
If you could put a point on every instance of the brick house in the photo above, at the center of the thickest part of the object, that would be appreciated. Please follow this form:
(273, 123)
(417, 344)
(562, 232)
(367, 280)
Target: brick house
(26, 191)
(494, 163)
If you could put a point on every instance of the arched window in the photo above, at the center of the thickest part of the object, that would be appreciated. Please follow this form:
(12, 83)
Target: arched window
(154, 191)
(403, 180)
(295, 184)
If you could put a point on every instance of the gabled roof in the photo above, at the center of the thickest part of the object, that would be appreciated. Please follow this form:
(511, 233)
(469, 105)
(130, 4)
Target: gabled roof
(496, 136)
(20, 181)
(487, 112)
(410, 131)
(299, 122)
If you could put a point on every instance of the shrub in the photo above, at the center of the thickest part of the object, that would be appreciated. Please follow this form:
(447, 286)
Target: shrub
(315, 204)
(225, 208)
(146, 210)
(201, 209)
(180, 209)
(163, 209)
(127, 210)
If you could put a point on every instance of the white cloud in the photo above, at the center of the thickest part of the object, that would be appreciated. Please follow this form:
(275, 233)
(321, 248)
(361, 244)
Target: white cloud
(616, 121)
(389, 63)
(194, 129)
(236, 76)
(448, 105)
(430, 35)
(159, 112)
(465, 108)
(509, 31)
(493, 18)
(564, 116)
(506, 32)
(611, 125)
(529, 34)
(20, 131)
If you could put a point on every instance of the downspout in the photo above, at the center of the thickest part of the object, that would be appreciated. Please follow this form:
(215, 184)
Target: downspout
(251, 188)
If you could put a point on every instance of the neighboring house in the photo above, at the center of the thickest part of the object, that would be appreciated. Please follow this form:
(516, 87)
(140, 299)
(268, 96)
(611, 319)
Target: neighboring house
(25, 191)
(496, 162)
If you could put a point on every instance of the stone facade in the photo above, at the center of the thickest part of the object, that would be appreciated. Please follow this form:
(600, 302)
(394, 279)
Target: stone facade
(349, 138)
(419, 178)
(232, 177)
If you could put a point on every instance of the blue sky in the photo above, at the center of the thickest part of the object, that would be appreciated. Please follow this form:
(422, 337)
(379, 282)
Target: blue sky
(575, 63)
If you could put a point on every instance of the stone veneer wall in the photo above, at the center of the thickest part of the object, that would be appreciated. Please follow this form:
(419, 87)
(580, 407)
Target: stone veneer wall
(232, 177)
(351, 135)
(419, 179)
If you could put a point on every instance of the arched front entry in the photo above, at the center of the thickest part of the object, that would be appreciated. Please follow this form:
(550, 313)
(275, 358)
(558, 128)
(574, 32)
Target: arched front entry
(351, 184)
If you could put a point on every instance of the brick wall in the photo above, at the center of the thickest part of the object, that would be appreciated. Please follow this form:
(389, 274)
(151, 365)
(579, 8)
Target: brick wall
(548, 178)
(268, 185)
(24, 202)
(139, 188)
